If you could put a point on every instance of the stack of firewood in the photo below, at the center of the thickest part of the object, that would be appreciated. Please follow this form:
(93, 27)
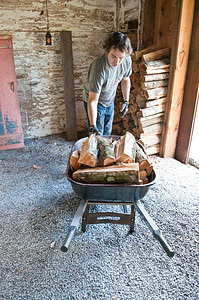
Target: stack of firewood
(149, 81)
(102, 160)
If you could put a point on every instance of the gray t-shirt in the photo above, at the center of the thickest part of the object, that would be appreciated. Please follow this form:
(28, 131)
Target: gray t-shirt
(103, 79)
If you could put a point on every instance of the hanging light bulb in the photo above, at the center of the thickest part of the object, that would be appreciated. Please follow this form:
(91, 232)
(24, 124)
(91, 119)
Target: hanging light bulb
(48, 35)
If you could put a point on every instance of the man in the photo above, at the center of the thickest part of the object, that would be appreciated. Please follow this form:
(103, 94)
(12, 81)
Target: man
(104, 75)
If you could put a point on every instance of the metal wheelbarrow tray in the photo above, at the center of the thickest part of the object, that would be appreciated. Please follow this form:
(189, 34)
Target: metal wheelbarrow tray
(123, 194)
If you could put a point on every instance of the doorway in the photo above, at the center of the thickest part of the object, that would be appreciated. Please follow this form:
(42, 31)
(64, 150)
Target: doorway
(11, 135)
(194, 148)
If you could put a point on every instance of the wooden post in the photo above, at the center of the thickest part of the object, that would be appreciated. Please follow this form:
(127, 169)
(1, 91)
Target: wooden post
(191, 96)
(178, 69)
(69, 94)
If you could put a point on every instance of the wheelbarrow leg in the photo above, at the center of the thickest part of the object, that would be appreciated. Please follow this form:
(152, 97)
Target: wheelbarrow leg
(125, 209)
(74, 225)
(132, 219)
(84, 217)
(154, 228)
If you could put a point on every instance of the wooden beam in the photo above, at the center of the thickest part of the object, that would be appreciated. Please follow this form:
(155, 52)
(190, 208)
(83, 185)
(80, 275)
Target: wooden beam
(165, 22)
(146, 23)
(191, 95)
(69, 94)
(177, 78)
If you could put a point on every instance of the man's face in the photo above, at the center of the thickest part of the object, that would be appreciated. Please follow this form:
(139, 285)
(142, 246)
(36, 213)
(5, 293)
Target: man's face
(115, 57)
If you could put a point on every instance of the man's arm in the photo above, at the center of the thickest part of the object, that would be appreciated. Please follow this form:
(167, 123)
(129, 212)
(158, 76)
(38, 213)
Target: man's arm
(125, 86)
(92, 107)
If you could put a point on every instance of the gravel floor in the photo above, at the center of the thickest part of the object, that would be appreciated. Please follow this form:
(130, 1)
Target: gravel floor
(105, 262)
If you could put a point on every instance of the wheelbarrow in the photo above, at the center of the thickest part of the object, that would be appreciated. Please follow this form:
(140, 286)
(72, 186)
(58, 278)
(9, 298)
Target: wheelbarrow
(111, 194)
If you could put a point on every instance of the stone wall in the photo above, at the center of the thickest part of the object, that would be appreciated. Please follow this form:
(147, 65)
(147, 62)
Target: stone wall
(39, 67)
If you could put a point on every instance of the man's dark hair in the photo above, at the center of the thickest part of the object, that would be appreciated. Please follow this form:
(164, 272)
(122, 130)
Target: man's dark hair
(120, 41)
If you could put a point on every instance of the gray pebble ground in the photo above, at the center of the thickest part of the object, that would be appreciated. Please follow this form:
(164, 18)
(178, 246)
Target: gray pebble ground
(105, 263)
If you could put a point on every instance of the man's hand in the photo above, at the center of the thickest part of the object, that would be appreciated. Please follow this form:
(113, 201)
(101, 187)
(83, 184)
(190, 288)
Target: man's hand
(93, 129)
(124, 109)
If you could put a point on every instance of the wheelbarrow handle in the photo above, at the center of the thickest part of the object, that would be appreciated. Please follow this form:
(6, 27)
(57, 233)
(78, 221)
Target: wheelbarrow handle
(159, 236)
(154, 228)
(71, 233)
(74, 225)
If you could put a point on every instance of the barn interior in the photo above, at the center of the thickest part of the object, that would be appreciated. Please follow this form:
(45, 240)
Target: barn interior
(46, 48)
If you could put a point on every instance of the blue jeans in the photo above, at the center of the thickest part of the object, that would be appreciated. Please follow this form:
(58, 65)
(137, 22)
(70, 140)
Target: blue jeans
(104, 118)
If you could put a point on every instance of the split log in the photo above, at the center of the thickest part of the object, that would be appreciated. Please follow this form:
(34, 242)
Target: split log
(143, 174)
(74, 158)
(152, 119)
(141, 158)
(156, 93)
(154, 77)
(156, 55)
(140, 98)
(155, 149)
(155, 128)
(106, 155)
(135, 77)
(123, 173)
(138, 54)
(154, 84)
(149, 140)
(135, 67)
(141, 92)
(125, 150)
(89, 152)
(136, 85)
(132, 108)
(151, 71)
(145, 180)
(149, 170)
(151, 110)
(154, 65)
(151, 103)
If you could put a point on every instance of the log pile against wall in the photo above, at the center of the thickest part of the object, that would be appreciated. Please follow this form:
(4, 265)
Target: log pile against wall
(149, 84)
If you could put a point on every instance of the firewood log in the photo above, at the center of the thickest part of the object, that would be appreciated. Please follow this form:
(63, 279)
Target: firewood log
(136, 85)
(151, 71)
(89, 152)
(138, 54)
(135, 77)
(152, 119)
(151, 110)
(74, 164)
(140, 98)
(122, 173)
(145, 180)
(155, 149)
(143, 174)
(141, 158)
(154, 77)
(149, 170)
(154, 65)
(149, 140)
(155, 129)
(125, 150)
(154, 84)
(155, 93)
(106, 155)
(151, 103)
(155, 55)
(135, 67)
